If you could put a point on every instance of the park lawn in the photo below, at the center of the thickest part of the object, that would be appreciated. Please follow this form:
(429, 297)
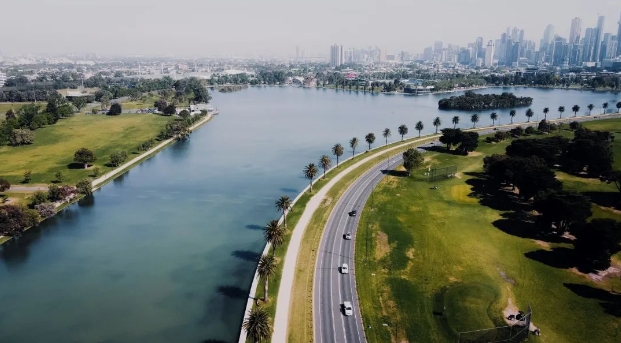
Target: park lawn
(55, 146)
(443, 251)
(136, 105)
(5, 106)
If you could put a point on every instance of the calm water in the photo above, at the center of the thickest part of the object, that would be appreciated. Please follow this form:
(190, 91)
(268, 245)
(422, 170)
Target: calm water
(164, 253)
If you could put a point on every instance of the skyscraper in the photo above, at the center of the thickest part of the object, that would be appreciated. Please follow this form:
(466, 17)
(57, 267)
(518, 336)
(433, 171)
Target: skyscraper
(575, 31)
(489, 54)
(336, 55)
(619, 38)
(521, 36)
(548, 36)
(588, 44)
(598, 38)
(437, 47)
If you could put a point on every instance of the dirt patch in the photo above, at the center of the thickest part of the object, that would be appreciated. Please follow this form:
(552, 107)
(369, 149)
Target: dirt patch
(602, 275)
(511, 309)
(542, 244)
(458, 175)
(410, 253)
(381, 245)
(326, 201)
(505, 277)
(474, 154)
(569, 236)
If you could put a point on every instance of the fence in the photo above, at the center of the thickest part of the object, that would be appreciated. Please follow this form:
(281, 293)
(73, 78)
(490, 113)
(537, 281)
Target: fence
(510, 334)
(442, 173)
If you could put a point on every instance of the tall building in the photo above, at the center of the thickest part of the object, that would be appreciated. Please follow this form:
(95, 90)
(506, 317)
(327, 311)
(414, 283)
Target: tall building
(598, 38)
(521, 36)
(548, 36)
(575, 31)
(588, 45)
(437, 47)
(619, 38)
(606, 43)
(2, 79)
(489, 54)
(336, 56)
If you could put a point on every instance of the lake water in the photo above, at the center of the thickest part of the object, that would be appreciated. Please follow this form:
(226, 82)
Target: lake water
(166, 252)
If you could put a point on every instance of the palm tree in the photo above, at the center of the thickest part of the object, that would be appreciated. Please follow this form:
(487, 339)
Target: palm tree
(353, 143)
(266, 269)
(257, 325)
(419, 126)
(403, 130)
(493, 116)
(590, 107)
(575, 109)
(455, 121)
(325, 163)
(386, 134)
(337, 150)
(529, 114)
(545, 113)
(309, 172)
(437, 122)
(561, 109)
(619, 107)
(284, 204)
(274, 234)
(370, 138)
(512, 114)
(474, 119)
(604, 107)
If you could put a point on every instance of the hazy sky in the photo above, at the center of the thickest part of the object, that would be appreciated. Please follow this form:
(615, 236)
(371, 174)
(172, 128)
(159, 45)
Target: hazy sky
(275, 27)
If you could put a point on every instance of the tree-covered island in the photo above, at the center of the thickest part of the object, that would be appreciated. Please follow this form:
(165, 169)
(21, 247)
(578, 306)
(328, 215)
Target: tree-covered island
(473, 101)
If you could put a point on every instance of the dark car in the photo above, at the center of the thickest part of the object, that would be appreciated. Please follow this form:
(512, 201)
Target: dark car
(353, 213)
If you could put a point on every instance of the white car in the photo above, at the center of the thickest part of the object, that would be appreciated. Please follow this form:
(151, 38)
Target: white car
(345, 268)
(348, 309)
(347, 236)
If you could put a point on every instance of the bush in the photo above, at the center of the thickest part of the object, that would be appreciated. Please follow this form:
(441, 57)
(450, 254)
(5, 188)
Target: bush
(27, 176)
(144, 146)
(4, 185)
(96, 172)
(84, 156)
(60, 193)
(544, 126)
(38, 198)
(517, 131)
(530, 130)
(574, 125)
(21, 137)
(45, 210)
(115, 109)
(94, 111)
(14, 219)
(59, 176)
(85, 187)
(117, 158)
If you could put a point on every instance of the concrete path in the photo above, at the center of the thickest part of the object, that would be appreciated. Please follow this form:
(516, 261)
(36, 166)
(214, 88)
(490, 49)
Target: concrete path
(27, 188)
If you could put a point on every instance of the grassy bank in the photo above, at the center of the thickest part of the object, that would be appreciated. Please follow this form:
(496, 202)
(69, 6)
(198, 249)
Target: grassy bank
(441, 261)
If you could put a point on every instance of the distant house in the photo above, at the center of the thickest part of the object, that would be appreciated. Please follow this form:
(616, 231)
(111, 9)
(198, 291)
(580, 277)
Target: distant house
(197, 108)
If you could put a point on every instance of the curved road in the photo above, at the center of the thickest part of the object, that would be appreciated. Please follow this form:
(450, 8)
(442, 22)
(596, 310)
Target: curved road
(331, 288)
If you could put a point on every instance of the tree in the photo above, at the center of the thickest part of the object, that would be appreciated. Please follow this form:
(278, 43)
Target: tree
(325, 163)
(274, 234)
(115, 109)
(117, 158)
(84, 156)
(437, 122)
(597, 241)
(450, 137)
(14, 219)
(370, 138)
(185, 114)
(337, 150)
(575, 109)
(284, 204)
(45, 210)
(455, 121)
(604, 107)
(177, 129)
(590, 149)
(85, 187)
(21, 137)
(532, 175)
(619, 107)
(10, 114)
(590, 107)
(38, 198)
(563, 209)
(412, 159)
(403, 130)
(94, 111)
(545, 113)
(386, 134)
(561, 109)
(4, 185)
(353, 143)
(79, 102)
(529, 114)
(27, 176)
(59, 176)
(493, 116)
(419, 127)
(309, 172)
(105, 102)
(549, 148)
(512, 114)
(257, 325)
(266, 269)
(469, 141)
(474, 119)
(170, 110)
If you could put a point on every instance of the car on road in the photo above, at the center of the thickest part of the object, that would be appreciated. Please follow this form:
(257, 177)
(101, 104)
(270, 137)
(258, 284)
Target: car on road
(347, 236)
(344, 269)
(348, 309)
(353, 213)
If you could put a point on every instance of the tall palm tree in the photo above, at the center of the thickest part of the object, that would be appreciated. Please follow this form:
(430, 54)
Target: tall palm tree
(561, 109)
(474, 119)
(575, 109)
(512, 114)
(266, 269)
(455, 121)
(529, 114)
(274, 234)
(590, 107)
(493, 116)
(419, 127)
(353, 143)
(258, 326)
(337, 150)
(309, 172)
(403, 130)
(437, 122)
(386, 134)
(619, 107)
(284, 204)
(545, 113)
(325, 162)
(370, 138)
(604, 107)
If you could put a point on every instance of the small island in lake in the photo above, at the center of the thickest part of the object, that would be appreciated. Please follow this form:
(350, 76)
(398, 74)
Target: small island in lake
(473, 101)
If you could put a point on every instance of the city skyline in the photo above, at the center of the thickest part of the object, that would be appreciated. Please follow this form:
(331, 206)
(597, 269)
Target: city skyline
(275, 27)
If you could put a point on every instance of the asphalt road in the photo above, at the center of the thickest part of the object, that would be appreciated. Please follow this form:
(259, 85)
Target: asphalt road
(331, 288)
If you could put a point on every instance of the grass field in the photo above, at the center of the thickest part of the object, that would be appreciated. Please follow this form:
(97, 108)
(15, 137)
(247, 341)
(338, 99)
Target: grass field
(55, 145)
(447, 251)
(5, 106)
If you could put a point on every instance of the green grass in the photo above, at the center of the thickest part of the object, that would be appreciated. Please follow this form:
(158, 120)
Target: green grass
(5, 106)
(135, 105)
(55, 145)
(431, 249)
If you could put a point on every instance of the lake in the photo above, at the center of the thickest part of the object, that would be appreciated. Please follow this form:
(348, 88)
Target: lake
(166, 253)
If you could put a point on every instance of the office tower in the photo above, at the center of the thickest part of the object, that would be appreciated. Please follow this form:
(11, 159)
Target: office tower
(588, 45)
(489, 54)
(428, 54)
(437, 47)
(598, 38)
(619, 38)
(336, 55)
(611, 51)
(606, 42)
(574, 32)
(514, 34)
(521, 36)
(480, 49)
(548, 36)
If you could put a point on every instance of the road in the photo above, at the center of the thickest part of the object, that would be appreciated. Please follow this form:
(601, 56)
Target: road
(331, 288)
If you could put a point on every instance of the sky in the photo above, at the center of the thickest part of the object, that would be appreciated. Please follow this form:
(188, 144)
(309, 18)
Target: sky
(276, 27)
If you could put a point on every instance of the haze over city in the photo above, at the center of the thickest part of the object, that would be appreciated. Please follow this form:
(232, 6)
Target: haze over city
(276, 27)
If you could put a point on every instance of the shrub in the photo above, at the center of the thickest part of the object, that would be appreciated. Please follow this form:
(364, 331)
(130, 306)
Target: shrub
(117, 158)
(85, 187)
(115, 109)
(14, 219)
(4, 185)
(38, 198)
(60, 193)
(27, 176)
(45, 210)
(21, 137)
(530, 130)
(574, 125)
(59, 176)
(96, 172)
(517, 131)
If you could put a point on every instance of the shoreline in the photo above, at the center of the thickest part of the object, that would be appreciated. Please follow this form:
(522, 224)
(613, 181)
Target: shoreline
(122, 169)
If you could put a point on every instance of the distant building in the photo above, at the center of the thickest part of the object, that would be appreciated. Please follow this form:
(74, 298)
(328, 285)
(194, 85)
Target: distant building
(336, 56)
(2, 79)
(489, 54)
(576, 29)
(619, 38)
(598, 38)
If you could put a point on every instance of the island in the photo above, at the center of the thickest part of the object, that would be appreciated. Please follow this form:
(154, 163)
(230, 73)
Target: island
(473, 101)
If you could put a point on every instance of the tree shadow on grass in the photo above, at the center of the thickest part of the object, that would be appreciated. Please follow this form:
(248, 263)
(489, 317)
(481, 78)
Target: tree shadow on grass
(74, 165)
(441, 149)
(491, 196)
(232, 292)
(610, 302)
(605, 199)
(397, 173)
(522, 224)
(246, 255)
(563, 258)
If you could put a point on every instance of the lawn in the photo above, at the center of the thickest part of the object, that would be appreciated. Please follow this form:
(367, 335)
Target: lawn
(442, 261)
(5, 106)
(55, 145)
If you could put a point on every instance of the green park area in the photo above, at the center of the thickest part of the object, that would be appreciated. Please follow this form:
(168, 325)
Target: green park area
(434, 262)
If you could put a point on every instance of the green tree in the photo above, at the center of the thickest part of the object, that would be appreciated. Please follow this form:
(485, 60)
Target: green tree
(575, 109)
(419, 127)
(59, 176)
(545, 113)
(590, 107)
(562, 210)
(596, 242)
(84, 156)
(619, 107)
(529, 114)
(266, 269)
(284, 204)
(412, 159)
(274, 234)
(474, 119)
(403, 130)
(468, 141)
(370, 138)
(353, 143)
(38, 198)
(27, 176)
(4, 185)
(185, 114)
(96, 172)
(494, 117)
(604, 107)
(455, 121)
(450, 137)
(117, 158)
(257, 325)
(386, 134)
(325, 163)
(105, 102)
(21, 137)
(337, 150)
(437, 122)
(115, 109)
(85, 187)
(561, 109)
(512, 114)
(309, 172)
(79, 102)
(170, 110)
